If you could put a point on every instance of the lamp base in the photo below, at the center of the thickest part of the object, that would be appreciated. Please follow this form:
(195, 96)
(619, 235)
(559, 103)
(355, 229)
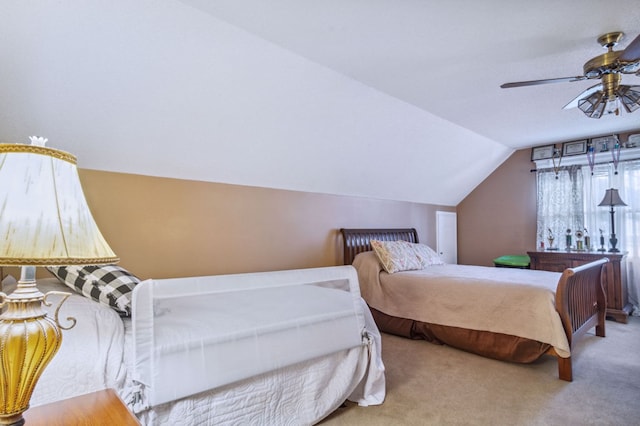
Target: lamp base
(29, 339)
(12, 420)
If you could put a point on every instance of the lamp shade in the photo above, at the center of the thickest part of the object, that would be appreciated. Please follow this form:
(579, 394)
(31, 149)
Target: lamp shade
(44, 216)
(611, 198)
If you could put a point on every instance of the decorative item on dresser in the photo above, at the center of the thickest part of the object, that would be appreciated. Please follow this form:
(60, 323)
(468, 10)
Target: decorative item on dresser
(615, 277)
(611, 199)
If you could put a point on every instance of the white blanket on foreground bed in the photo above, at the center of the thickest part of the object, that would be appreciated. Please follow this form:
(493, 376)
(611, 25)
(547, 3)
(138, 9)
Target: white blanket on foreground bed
(98, 353)
(518, 302)
(91, 357)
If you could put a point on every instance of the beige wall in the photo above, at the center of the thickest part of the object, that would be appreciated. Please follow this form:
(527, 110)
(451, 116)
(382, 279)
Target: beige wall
(167, 227)
(499, 216)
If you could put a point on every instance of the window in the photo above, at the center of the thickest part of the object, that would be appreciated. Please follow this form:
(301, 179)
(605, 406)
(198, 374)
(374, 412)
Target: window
(569, 200)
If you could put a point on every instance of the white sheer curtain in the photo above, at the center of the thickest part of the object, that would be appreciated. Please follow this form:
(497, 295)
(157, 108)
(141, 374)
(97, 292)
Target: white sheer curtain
(627, 219)
(628, 224)
(560, 205)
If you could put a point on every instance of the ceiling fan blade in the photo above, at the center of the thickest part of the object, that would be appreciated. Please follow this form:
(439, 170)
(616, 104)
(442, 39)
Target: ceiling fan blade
(585, 94)
(632, 52)
(546, 81)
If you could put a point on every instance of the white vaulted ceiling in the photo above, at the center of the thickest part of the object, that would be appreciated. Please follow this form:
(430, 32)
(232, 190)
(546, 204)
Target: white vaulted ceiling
(388, 99)
(450, 57)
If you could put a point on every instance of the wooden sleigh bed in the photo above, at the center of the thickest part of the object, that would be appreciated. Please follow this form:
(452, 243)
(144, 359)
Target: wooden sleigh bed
(576, 297)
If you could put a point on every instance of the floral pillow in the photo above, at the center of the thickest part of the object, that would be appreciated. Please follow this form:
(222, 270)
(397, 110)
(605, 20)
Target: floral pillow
(425, 254)
(396, 256)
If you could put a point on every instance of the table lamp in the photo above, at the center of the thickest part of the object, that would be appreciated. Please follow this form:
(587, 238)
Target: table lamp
(611, 199)
(44, 221)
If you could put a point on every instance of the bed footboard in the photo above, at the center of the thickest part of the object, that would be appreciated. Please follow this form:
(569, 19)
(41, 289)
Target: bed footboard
(581, 303)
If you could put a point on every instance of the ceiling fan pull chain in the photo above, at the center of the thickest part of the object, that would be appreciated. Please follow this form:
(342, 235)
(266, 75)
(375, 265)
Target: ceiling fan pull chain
(556, 156)
(615, 155)
(591, 157)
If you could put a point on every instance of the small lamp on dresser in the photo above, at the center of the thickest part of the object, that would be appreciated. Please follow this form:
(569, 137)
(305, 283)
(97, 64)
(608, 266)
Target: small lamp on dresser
(612, 199)
(44, 221)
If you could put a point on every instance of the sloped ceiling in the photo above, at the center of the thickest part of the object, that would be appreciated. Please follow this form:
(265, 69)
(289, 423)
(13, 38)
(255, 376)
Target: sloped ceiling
(383, 99)
(450, 57)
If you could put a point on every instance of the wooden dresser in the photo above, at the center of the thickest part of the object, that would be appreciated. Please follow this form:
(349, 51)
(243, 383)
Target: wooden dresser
(618, 306)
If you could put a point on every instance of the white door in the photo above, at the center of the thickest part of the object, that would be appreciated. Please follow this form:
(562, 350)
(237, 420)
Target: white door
(447, 236)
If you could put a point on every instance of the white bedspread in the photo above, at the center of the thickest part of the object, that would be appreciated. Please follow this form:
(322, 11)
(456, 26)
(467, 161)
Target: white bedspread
(301, 394)
(98, 353)
(518, 302)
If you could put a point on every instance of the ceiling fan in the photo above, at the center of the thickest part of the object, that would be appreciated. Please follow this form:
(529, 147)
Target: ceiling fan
(606, 96)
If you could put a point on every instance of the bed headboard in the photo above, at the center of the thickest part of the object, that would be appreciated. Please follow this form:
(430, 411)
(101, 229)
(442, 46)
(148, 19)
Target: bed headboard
(357, 240)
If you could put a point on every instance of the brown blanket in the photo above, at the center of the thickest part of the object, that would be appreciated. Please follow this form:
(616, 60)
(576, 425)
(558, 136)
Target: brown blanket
(515, 302)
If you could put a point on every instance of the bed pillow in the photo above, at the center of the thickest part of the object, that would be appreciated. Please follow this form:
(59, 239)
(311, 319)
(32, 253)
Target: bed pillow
(395, 256)
(109, 284)
(425, 254)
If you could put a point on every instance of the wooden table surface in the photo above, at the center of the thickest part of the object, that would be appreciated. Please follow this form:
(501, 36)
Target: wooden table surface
(93, 409)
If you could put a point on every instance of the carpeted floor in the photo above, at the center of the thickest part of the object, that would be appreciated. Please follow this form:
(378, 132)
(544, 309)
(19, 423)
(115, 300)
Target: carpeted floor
(429, 384)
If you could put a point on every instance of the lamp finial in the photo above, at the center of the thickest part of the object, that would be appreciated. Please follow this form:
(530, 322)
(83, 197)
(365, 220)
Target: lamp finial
(38, 140)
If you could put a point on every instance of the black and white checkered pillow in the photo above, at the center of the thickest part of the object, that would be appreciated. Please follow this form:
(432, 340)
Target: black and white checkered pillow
(108, 284)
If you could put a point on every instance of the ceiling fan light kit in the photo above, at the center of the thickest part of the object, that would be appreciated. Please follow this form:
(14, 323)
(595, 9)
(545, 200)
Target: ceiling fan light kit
(593, 105)
(609, 68)
(630, 97)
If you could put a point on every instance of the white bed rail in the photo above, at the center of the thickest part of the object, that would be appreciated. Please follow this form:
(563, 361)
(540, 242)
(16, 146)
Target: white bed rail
(200, 333)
